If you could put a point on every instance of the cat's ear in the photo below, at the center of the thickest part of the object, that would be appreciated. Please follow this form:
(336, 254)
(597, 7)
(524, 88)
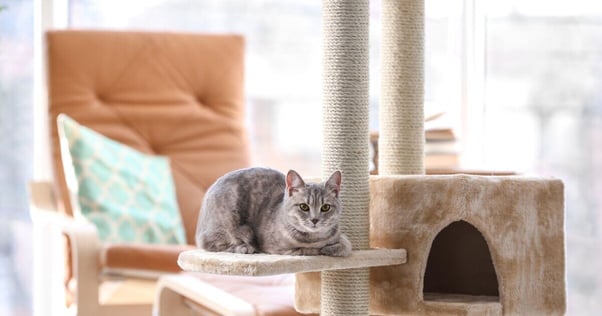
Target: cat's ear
(294, 182)
(334, 183)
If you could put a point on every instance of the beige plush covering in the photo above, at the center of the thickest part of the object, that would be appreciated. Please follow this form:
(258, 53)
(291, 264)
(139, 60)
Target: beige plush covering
(520, 219)
(267, 264)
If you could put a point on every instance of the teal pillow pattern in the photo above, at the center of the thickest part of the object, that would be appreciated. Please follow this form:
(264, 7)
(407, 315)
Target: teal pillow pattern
(129, 196)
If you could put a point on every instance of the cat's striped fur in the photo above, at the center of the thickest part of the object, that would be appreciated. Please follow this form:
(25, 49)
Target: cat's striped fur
(262, 210)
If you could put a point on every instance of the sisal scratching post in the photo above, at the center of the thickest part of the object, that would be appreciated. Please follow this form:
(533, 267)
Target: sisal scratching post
(401, 140)
(345, 145)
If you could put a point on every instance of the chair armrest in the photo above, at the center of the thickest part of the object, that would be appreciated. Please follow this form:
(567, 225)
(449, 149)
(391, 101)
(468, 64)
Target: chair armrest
(175, 292)
(42, 197)
(83, 239)
(82, 235)
(85, 249)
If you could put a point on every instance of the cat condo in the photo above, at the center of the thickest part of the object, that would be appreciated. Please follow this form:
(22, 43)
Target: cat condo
(458, 244)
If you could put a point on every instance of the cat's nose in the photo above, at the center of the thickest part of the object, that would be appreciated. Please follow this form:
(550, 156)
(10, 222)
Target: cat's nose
(315, 221)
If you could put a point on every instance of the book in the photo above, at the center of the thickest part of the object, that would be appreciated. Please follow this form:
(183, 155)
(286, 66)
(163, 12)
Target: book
(439, 134)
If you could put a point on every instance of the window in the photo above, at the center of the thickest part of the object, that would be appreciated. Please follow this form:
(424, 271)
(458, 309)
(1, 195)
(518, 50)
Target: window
(16, 152)
(519, 79)
(543, 115)
(16, 85)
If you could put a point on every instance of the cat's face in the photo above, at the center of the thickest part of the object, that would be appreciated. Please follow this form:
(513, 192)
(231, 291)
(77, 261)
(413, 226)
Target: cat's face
(312, 207)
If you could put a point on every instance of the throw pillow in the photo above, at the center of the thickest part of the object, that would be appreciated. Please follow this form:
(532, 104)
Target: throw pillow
(129, 196)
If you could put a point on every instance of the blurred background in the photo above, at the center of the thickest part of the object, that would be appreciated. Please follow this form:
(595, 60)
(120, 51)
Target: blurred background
(518, 84)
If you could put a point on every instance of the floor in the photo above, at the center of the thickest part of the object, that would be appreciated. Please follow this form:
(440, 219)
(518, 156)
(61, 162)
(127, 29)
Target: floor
(13, 299)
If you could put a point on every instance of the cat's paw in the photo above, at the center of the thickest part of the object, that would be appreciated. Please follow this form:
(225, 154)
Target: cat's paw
(310, 251)
(301, 252)
(243, 248)
(339, 249)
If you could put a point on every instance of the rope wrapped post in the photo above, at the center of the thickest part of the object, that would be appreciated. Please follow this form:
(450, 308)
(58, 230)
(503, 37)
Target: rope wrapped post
(345, 144)
(401, 140)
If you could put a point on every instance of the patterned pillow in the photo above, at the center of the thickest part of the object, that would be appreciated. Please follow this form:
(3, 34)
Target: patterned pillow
(129, 196)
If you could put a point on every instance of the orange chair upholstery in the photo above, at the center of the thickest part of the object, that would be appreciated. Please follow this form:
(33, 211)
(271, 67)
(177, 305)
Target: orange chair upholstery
(170, 94)
(176, 95)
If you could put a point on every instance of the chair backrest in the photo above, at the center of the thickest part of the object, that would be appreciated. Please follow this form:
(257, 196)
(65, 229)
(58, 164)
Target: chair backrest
(170, 94)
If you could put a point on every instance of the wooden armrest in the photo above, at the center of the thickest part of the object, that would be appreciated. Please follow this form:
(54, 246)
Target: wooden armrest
(83, 239)
(85, 249)
(83, 235)
(42, 197)
(174, 290)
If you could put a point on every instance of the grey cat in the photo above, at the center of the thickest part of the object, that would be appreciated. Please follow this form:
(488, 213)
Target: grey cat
(262, 210)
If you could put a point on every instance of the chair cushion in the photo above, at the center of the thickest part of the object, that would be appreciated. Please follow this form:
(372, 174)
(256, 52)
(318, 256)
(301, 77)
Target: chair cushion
(129, 196)
(269, 295)
(142, 257)
(127, 291)
(175, 95)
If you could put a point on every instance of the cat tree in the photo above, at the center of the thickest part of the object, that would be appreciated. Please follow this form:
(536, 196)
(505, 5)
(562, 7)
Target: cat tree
(512, 226)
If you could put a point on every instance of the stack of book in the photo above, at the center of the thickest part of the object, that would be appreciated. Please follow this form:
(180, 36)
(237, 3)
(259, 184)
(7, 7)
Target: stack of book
(441, 147)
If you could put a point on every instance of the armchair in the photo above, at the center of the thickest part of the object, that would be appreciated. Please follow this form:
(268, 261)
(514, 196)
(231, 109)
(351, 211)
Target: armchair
(169, 94)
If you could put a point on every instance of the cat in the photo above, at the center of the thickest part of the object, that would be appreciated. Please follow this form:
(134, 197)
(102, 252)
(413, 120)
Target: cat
(262, 210)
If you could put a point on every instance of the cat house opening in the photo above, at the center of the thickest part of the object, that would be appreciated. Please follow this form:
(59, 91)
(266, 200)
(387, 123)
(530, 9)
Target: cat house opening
(459, 266)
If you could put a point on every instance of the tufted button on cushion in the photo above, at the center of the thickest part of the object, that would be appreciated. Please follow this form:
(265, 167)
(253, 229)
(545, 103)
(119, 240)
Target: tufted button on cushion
(178, 95)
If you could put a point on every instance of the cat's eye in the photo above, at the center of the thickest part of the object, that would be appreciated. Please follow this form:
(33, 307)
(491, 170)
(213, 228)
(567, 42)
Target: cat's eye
(325, 208)
(304, 207)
